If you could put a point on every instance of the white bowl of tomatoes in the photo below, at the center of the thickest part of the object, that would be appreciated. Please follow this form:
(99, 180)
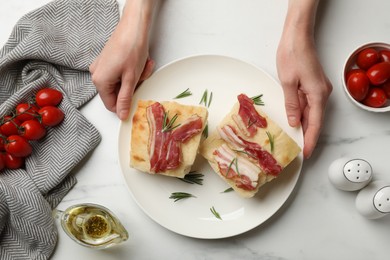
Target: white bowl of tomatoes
(366, 77)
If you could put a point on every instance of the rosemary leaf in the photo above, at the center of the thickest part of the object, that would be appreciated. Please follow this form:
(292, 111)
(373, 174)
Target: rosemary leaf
(227, 190)
(204, 98)
(168, 126)
(180, 195)
(241, 151)
(184, 94)
(245, 152)
(257, 100)
(230, 166)
(215, 213)
(205, 132)
(193, 178)
(271, 141)
(236, 165)
(210, 99)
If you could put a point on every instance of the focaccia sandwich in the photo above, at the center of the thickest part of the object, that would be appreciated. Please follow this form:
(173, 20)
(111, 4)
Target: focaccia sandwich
(248, 149)
(165, 137)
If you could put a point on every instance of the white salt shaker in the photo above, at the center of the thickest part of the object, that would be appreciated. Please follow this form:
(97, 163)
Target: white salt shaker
(374, 200)
(350, 174)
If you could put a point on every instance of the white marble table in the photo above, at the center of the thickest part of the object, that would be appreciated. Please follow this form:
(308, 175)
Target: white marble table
(318, 221)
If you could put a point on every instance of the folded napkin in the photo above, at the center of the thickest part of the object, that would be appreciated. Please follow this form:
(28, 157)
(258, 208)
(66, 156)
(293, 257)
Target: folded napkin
(51, 46)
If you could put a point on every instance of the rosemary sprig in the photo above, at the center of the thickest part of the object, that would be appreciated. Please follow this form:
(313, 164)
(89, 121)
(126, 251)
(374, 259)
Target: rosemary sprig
(257, 99)
(227, 190)
(180, 195)
(242, 151)
(193, 178)
(215, 213)
(210, 99)
(204, 98)
(271, 140)
(230, 166)
(168, 126)
(205, 132)
(184, 94)
(236, 165)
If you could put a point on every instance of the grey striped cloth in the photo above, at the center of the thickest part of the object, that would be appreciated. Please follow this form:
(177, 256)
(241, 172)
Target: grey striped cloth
(51, 46)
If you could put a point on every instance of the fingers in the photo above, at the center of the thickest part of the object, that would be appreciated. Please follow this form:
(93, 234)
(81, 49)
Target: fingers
(125, 96)
(148, 69)
(314, 115)
(107, 92)
(312, 128)
(127, 88)
(292, 104)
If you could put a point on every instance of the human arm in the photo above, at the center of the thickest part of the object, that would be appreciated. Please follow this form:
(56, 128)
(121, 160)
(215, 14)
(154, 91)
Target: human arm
(305, 85)
(124, 61)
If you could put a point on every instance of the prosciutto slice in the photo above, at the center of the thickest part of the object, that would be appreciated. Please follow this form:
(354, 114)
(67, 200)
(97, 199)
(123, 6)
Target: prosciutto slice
(165, 146)
(264, 159)
(248, 119)
(188, 129)
(244, 173)
(157, 138)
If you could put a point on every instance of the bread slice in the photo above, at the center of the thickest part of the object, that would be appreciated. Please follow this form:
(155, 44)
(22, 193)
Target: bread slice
(284, 151)
(140, 136)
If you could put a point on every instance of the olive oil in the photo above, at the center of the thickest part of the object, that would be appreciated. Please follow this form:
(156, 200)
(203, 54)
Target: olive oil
(93, 226)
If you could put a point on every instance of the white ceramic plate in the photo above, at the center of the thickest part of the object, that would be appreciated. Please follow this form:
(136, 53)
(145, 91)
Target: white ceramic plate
(226, 78)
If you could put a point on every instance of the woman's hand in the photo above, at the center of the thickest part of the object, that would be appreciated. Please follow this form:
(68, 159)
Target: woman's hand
(124, 61)
(305, 85)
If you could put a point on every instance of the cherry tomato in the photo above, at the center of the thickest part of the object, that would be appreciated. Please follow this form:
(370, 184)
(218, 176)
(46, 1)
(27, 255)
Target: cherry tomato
(367, 58)
(26, 111)
(349, 73)
(48, 97)
(358, 85)
(376, 97)
(51, 116)
(12, 162)
(379, 73)
(9, 126)
(2, 163)
(32, 130)
(17, 146)
(386, 88)
(384, 55)
(2, 141)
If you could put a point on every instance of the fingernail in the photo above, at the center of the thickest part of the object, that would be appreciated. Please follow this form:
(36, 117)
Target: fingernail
(123, 114)
(292, 120)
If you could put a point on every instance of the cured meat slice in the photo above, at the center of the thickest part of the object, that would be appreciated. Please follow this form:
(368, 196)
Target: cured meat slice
(157, 138)
(242, 171)
(164, 144)
(189, 128)
(248, 119)
(265, 160)
(165, 137)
